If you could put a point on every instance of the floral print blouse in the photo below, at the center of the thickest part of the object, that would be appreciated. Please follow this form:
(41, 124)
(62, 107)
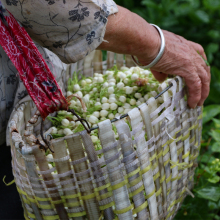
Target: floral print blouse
(69, 28)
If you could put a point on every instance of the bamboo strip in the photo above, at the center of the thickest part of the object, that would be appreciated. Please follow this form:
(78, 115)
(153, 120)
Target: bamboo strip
(120, 195)
(127, 149)
(97, 172)
(43, 166)
(60, 151)
(76, 150)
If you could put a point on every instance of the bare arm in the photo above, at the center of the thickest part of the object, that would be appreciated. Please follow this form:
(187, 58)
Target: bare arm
(128, 33)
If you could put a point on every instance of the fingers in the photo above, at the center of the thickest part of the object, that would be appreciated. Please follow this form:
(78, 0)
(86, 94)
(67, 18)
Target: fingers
(194, 85)
(159, 76)
(205, 79)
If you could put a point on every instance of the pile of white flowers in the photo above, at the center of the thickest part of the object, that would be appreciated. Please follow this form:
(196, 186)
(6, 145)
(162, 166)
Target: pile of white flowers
(106, 96)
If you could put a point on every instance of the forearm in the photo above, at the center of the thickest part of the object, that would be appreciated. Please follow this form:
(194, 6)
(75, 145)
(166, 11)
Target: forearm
(128, 33)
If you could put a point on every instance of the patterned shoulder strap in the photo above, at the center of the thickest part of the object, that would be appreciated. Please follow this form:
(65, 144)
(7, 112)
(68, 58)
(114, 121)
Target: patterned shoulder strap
(33, 70)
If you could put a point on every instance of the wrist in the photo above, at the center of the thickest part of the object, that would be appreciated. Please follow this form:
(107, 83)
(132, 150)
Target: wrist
(128, 33)
(150, 46)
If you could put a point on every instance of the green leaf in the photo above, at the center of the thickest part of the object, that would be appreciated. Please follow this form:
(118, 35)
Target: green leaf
(212, 4)
(217, 123)
(212, 205)
(214, 179)
(210, 112)
(216, 135)
(212, 48)
(216, 147)
(202, 16)
(211, 193)
(214, 34)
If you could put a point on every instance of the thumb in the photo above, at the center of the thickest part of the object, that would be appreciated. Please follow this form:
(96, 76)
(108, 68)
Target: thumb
(159, 76)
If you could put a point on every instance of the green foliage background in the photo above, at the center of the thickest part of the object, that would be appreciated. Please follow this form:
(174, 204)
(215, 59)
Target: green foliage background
(199, 21)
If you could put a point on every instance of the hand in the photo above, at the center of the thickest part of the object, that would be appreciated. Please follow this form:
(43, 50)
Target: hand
(183, 58)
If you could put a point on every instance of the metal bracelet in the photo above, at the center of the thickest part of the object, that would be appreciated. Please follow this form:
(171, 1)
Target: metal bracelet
(160, 54)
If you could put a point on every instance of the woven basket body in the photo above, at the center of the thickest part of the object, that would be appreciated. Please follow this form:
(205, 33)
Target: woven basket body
(145, 174)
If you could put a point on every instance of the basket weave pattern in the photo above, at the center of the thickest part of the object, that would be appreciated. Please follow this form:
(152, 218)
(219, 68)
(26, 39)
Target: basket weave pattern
(145, 174)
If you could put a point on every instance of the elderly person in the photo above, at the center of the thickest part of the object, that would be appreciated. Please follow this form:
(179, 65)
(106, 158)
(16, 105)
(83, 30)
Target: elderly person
(73, 28)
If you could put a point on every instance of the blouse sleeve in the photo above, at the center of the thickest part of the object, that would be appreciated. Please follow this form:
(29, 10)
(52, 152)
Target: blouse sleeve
(69, 28)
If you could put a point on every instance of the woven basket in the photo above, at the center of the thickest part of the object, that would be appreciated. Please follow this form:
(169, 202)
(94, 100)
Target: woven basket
(136, 178)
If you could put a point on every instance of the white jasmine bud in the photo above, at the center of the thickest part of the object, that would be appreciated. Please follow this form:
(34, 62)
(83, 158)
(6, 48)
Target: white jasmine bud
(97, 103)
(95, 90)
(146, 97)
(111, 84)
(135, 88)
(120, 85)
(75, 118)
(112, 95)
(137, 95)
(65, 122)
(104, 100)
(122, 99)
(76, 87)
(122, 75)
(133, 102)
(69, 93)
(103, 113)
(112, 80)
(88, 81)
(152, 85)
(111, 90)
(80, 94)
(78, 123)
(125, 81)
(134, 76)
(111, 116)
(49, 156)
(83, 83)
(93, 119)
(146, 72)
(120, 110)
(138, 103)
(117, 115)
(103, 118)
(112, 100)
(72, 104)
(96, 114)
(73, 123)
(124, 68)
(128, 90)
(95, 79)
(53, 130)
(153, 93)
(105, 85)
(96, 74)
(128, 72)
(113, 106)
(86, 98)
(127, 105)
(100, 79)
(105, 106)
(67, 131)
(110, 73)
(94, 139)
(142, 100)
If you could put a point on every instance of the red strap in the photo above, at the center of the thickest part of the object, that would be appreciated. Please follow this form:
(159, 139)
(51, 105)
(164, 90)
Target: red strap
(33, 70)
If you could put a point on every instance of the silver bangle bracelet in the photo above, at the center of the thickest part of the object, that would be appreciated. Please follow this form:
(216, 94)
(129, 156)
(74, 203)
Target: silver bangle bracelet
(160, 54)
